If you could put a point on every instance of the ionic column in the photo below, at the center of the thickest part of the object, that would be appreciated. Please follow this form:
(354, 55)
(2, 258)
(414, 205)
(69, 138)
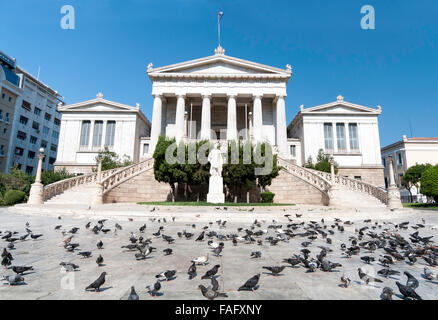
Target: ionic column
(156, 121)
(231, 119)
(206, 118)
(258, 119)
(179, 118)
(281, 126)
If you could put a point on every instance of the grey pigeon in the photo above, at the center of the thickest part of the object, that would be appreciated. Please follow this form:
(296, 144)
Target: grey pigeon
(133, 295)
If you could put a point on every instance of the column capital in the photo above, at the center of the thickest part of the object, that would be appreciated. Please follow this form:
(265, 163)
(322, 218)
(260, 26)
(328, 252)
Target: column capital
(279, 97)
(257, 96)
(232, 96)
(158, 95)
(206, 96)
(180, 95)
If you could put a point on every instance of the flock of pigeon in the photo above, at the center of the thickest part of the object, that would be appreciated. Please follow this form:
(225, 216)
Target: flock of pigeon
(371, 241)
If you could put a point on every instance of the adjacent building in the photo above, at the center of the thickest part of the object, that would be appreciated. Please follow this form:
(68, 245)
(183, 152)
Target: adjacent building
(348, 132)
(406, 153)
(91, 126)
(29, 119)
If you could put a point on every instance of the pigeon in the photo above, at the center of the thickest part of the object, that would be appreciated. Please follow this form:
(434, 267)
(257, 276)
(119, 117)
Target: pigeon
(250, 283)
(35, 236)
(99, 260)
(133, 295)
(167, 251)
(428, 274)
(68, 266)
(20, 269)
(97, 283)
(157, 287)
(85, 254)
(407, 291)
(367, 259)
(99, 245)
(411, 281)
(387, 272)
(292, 261)
(256, 254)
(387, 293)
(6, 262)
(214, 245)
(119, 227)
(345, 281)
(201, 260)
(210, 273)
(275, 270)
(201, 236)
(217, 251)
(364, 277)
(166, 274)
(192, 271)
(14, 280)
(209, 293)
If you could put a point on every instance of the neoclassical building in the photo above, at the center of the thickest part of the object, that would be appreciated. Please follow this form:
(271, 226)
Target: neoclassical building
(222, 98)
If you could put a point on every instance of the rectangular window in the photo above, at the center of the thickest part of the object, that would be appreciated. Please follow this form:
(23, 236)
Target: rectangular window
(145, 148)
(29, 170)
(328, 136)
(340, 136)
(354, 141)
(2, 150)
(19, 151)
(36, 125)
(33, 139)
(399, 158)
(1, 115)
(25, 105)
(293, 150)
(85, 133)
(21, 135)
(47, 116)
(23, 120)
(57, 122)
(37, 111)
(110, 132)
(31, 154)
(46, 130)
(43, 144)
(53, 147)
(55, 134)
(7, 117)
(97, 133)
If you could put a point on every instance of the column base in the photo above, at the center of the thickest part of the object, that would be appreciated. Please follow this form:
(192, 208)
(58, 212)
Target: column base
(36, 194)
(394, 201)
(98, 194)
(215, 190)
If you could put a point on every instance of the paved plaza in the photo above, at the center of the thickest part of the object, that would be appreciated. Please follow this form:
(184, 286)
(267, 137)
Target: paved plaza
(50, 281)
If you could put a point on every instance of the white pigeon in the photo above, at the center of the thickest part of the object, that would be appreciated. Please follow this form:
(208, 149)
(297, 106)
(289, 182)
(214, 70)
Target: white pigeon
(212, 244)
(201, 260)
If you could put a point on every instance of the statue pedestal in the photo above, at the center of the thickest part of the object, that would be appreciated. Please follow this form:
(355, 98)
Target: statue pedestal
(215, 190)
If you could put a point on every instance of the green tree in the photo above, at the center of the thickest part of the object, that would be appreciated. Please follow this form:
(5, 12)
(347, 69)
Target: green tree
(197, 173)
(15, 180)
(111, 160)
(429, 182)
(323, 162)
(265, 179)
(237, 174)
(412, 177)
(164, 171)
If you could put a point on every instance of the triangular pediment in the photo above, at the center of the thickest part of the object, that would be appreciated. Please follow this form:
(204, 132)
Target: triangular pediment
(98, 105)
(219, 64)
(340, 107)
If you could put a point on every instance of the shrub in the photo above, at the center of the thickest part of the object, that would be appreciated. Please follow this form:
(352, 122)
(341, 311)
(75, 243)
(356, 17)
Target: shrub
(48, 177)
(429, 183)
(267, 197)
(14, 196)
(2, 201)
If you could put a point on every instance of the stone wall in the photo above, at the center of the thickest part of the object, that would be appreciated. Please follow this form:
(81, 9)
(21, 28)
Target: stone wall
(142, 188)
(373, 176)
(290, 189)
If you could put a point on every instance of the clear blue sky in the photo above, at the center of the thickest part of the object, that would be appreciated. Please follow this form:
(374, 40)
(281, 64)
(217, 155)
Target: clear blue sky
(395, 65)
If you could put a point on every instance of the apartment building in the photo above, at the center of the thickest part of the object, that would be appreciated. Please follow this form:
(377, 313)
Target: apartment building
(33, 120)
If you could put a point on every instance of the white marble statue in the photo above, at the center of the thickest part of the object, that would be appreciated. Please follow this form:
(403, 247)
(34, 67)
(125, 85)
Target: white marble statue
(216, 161)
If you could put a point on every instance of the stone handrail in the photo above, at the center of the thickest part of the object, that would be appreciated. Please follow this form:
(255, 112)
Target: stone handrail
(321, 183)
(126, 173)
(59, 187)
(356, 185)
